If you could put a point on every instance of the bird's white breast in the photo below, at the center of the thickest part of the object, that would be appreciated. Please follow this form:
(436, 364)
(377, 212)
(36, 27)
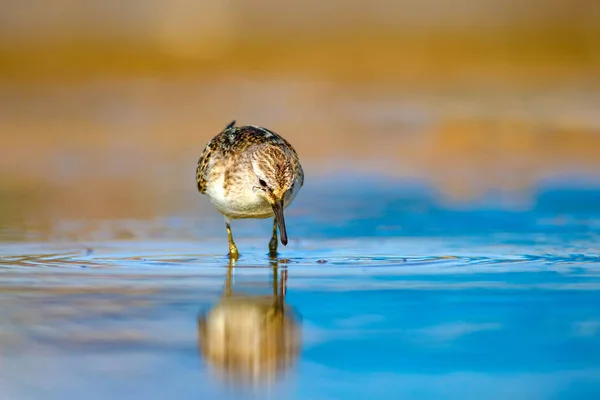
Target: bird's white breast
(239, 201)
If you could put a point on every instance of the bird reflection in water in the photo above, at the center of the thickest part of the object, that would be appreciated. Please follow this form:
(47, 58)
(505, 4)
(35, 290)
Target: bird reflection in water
(250, 339)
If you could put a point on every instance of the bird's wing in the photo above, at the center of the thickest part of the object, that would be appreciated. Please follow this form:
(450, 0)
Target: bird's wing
(295, 161)
(298, 171)
(204, 164)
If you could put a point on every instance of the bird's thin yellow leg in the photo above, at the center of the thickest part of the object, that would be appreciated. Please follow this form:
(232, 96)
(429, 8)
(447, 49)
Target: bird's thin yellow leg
(273, 242)
(233, 251)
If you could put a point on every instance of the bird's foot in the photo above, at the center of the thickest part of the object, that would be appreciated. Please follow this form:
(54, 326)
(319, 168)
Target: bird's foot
(273, 248)
(233, 253)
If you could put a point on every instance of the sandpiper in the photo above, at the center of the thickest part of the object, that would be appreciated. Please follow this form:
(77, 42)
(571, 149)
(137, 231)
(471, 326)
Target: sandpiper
(250, 172)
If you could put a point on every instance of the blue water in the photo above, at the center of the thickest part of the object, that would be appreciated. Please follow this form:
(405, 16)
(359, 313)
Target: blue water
(395, 293)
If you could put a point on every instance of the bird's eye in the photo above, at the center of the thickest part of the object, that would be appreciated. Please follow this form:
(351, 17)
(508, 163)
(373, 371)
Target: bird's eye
(262, 183)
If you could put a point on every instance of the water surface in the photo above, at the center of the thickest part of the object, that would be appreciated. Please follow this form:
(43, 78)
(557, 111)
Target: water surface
(384, 293)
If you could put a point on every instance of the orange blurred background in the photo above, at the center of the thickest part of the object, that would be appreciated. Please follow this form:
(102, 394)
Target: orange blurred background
(106, 106)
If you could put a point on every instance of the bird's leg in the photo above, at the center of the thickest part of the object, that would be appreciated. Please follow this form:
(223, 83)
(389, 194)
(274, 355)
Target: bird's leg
(273, 242)
(233, 251)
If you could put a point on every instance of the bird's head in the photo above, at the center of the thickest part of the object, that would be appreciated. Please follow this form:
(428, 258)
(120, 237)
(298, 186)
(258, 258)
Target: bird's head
(274, 178)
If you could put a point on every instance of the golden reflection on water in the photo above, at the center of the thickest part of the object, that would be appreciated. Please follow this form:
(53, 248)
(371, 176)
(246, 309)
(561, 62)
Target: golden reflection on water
(250, 339)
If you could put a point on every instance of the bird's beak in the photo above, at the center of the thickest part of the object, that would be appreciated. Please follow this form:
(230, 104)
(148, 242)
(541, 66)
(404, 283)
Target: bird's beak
(278, 211)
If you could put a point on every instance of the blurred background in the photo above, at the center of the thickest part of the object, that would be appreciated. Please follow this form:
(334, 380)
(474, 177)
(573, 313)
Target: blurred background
(451, 200)
(106, 106)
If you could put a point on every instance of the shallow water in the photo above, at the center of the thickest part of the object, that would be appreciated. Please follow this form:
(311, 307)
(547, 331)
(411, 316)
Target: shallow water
(410, 297)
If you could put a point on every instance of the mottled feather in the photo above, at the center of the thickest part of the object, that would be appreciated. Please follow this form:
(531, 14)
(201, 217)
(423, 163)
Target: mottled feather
(233, 141)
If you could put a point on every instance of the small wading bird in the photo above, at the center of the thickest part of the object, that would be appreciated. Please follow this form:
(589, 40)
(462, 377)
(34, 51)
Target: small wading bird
(250, 172)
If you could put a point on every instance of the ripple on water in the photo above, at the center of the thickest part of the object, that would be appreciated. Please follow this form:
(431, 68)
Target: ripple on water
(402, 306)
